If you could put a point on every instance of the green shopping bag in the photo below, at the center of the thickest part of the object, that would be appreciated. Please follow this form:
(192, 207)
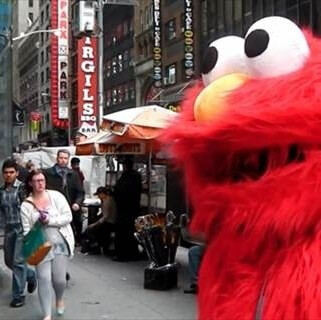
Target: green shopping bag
(35, 244)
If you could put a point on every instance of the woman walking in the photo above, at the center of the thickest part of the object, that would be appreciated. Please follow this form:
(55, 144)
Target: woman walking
(52, 209)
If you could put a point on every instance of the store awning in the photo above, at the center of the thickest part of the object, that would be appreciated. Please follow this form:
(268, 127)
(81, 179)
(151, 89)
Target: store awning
(130, 131)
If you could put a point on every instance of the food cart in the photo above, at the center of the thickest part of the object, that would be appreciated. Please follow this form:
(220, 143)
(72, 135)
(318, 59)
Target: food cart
(135, 132)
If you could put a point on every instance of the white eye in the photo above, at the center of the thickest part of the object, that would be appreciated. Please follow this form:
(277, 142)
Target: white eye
(224, 56)
(275, 46)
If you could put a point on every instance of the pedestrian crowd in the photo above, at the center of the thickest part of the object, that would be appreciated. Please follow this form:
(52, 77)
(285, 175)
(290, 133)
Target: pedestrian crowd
(54, 197)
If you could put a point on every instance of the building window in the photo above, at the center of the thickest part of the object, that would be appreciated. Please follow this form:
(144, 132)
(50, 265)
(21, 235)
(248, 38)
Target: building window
(30, 16)
(41, 58)
(108, 98)
(267, 7)
(126, 92)
(47, 74)
(182, 22)
(120, 63)
(305, 14)
(132, 92)
(140, 51)
(47, 53)
(120, 31)
(108, 68)
(248, 5)
(290, 3)
(114, 96)
(211, 17)
(131, 24)
(114, 66)
(220, 14)
(170, 74)
(146, 24)
(151, 18)
(120, 94)
(125, 28)
(42, 18)
(42, 78)
(47, 34)
(30, 3)
(170, 30)
(279, 7)
(248, 14)
(47, 12)
(228, 10)
(108, 39)
(125, 59)
(238, 22)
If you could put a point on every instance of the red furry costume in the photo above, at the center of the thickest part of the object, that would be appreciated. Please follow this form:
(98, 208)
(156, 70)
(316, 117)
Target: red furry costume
(254, 178)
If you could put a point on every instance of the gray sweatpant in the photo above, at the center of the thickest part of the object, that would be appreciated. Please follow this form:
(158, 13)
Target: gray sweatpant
(50, 274)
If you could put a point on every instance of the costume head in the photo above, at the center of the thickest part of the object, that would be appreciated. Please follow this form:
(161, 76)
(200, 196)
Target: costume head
(249, 142)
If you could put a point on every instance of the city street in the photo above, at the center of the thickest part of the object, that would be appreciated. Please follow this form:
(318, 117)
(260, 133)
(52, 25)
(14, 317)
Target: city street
(103, 289)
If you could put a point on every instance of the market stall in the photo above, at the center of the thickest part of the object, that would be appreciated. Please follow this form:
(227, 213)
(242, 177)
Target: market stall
(135, 132)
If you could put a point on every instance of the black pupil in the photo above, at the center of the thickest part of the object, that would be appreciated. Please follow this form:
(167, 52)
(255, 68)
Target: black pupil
(256, 43)
(209, 59)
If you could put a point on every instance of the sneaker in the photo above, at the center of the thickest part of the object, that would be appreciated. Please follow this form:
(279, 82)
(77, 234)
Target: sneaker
(17, 302)
(32, 285)
(193, 288)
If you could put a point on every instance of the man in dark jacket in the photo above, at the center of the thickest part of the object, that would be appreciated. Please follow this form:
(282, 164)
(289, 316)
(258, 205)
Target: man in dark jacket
(127, 197)
(61, 178)
(12, 193)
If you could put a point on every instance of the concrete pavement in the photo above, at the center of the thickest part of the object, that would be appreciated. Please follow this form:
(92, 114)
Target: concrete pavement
(103, 289)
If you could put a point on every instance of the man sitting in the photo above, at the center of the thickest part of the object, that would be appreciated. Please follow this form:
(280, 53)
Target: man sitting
(99, 231)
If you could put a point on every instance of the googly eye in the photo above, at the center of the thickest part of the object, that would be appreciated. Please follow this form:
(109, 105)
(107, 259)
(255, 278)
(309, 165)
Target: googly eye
(223, 56)
(275, 46)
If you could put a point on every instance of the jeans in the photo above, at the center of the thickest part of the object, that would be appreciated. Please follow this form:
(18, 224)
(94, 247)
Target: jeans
(76, 225)
(101, 234)
(195, 254)
(15, 261)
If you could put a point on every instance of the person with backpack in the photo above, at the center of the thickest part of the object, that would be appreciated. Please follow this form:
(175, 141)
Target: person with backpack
(12, 194)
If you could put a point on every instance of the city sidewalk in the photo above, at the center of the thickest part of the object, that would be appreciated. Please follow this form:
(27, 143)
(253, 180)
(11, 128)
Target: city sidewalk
(103, 289)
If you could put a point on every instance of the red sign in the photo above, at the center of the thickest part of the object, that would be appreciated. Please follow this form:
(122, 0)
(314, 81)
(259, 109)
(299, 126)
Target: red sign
(87, 85)
(59, 64)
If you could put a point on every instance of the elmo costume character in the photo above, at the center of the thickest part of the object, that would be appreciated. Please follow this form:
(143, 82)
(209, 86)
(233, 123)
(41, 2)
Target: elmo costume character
(249, 142)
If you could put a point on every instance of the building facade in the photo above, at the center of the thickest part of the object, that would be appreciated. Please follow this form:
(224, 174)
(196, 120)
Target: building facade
(24, 13)
(179, 38)
(143, 49)
(24, 16)
(220, 17)
(118, 59)
(28, 98)
(5, 82)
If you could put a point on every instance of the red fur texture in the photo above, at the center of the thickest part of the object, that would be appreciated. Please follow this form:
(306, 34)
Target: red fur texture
(254, 180)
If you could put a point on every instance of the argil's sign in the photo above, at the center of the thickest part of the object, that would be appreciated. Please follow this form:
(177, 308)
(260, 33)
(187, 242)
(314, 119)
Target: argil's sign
(59, 64)
(189, 39)
(87, 85)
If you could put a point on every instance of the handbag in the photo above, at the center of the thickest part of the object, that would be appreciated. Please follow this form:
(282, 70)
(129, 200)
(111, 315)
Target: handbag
(35, 243)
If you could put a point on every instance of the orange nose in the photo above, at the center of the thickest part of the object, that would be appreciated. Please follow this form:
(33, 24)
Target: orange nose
(211, 103)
